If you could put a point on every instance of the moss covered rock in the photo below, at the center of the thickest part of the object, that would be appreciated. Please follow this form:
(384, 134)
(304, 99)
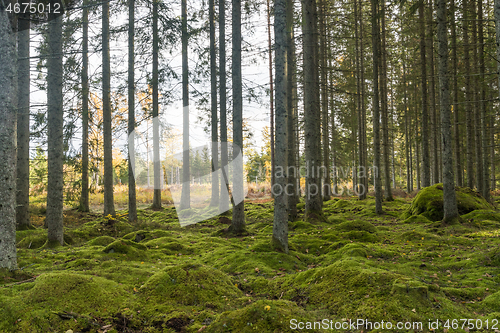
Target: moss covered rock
(124, 246)
(429, 202)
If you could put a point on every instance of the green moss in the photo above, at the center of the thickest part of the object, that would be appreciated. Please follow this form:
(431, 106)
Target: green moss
(482, 215)
(263, 316)
(101, 241)
(357, 226)
(190, 285)
(32, 239)
(492, 302)
(124, 246)
(414, 219)
(429, 202)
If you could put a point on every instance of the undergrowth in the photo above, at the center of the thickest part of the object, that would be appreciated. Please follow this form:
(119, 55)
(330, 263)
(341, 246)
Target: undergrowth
(155, 276)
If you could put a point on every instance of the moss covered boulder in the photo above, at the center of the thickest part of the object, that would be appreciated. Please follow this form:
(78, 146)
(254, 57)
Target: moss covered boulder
(429, 202)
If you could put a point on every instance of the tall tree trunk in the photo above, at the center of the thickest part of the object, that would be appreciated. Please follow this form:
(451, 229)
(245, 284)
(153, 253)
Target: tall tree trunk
(482, 105)
(449, 197)
(109, 206)
(312, 122)
(214, 202)
(497, 39)
(238, 222)
(23, 124)
(432, 99)
(385, 107)
(280, 223)
(156, 125)
(84, 198)
(55, 158)
(376, 111)
(362, 128)
(468, 98)
(224, 196)
(456, 115)
(324, 104)
(426, 166)
(477, 97)
(186, 176)
(409, 185)
(8, 259)
(291, 89)
(132, 202)
(271, 95)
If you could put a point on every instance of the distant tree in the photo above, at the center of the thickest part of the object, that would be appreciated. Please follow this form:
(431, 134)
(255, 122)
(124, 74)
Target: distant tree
(224, 197)
(186, 177)
(132, 201)
(156, 129)
(213, 98)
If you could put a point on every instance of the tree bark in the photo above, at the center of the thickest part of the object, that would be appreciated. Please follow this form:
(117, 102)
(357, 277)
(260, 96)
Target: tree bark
(132, 202)
(291, 113)
(482, 106)
(324, 104)
(468, 99)
(456, 114)
(376, 111)
(238, 222)
(55, 156)
(156, 125)
(214, 202)
(280, 222)
(8, 259)
(312, 131)
(186, 177)
(84, 198)
(23, 124)
(109, 206)
(426, 166)
(432, 100)
(271, 95)
(449, 197)
(224, 198)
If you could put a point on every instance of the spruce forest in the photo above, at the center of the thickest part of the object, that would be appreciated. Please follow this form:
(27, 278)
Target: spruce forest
(249, 166)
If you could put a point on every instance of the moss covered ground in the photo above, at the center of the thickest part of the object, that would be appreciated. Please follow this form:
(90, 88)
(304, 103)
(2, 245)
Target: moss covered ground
(155, 276)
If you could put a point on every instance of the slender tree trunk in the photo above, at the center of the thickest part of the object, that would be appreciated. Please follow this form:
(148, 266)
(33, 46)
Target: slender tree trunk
(449, 196)
(84, 198)
(280, 223)
(497, 39)
(482, 105)
(214, 202)
(291, 113)
(384, 109)
(409, 187)
(376, 112)
(186, 175)
(55, 158)
(456, 115)
(426, 167)
(109, 206)
(271, 95)
(312, 120)
(224, 196)
(156, 125)
(238, 222)
(324, 104)
(360, 189)
(468, 98)
(477, 96)
(432, 100)
(491, 133)
(8, 259)
(23, 124)
(362, 129)
(132, 202)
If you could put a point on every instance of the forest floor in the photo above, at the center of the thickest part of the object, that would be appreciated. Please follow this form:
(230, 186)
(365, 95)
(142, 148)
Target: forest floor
(156, 276)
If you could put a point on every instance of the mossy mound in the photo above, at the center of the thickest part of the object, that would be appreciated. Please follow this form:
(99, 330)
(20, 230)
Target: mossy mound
(263, 316)
(357, 226)
(349, 289)
(429, 202)
(124, 246)
(190, 285)
(493, 301)
(101, 241)
(417, 219)
(482, 215)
